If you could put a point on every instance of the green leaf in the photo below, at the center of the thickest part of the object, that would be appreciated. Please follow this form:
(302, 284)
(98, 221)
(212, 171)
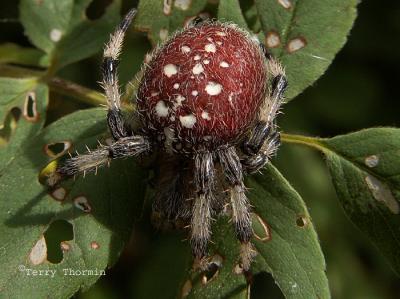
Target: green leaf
(114, 196)
(288, 245)
(62, 30)
(162, 18)
(30, 98)
(13, 53)
(305, 35)
(365, 170)
(166, 264)
(224, 283)
(229, 11)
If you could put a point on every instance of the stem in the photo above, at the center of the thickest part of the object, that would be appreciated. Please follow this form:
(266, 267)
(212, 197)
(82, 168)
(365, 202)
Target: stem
(83, 94)
(305, 140)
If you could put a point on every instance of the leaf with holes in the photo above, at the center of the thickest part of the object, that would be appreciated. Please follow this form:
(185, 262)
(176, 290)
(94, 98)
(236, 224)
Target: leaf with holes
(170, 16)
(62, 30)
(13, 53)
(23, 104)
(305, 35)
(285, 238)
(224, 279)
(365, 169)
(101, 209)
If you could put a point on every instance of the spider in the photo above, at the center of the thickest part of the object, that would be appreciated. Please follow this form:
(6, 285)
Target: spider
(207, 104)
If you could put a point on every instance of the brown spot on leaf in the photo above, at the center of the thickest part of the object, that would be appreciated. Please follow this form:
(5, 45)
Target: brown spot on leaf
(94, 245)
(38, 254)
(285, 3)
(65, 246)
(59, 194)
(302, 221)
(296, 44)
(266, 231)
(82, 203)
(272, 39)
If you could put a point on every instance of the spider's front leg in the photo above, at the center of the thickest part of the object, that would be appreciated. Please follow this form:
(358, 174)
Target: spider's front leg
(126, 144)
(264, 139)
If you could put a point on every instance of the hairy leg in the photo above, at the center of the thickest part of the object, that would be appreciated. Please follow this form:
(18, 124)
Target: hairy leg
(264, 139)
(110, 83)
(92, 160)
(240, 205)
(204, 178)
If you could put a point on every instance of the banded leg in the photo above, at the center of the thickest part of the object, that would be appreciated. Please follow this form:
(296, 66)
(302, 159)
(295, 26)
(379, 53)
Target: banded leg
(91, 161)
(240, 205)
(204, 178)
(110, 83)
(264, 140)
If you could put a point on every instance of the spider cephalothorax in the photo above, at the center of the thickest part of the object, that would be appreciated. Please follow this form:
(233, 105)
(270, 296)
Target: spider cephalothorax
(207, 103)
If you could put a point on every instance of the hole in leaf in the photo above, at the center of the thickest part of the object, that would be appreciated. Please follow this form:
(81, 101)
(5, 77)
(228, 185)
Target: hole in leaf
(58, 232)
(97, 8)
(57, 149)
(30, 112)
(212, 270)
(301, 221)
(263, 283)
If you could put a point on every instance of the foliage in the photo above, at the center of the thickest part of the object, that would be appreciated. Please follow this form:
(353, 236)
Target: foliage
(103, 209)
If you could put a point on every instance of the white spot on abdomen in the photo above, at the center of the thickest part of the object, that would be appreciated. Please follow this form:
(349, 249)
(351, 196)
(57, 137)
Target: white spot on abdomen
(55, 35)
(210, 48)
(213, 88)
(197, 69)
(195, 93)
(170, 70)
(205, 115)
(206, 61)
(224, 64)
(176, 85)
(185, 49)
(188, 121)
(197, 57)
(161, 109)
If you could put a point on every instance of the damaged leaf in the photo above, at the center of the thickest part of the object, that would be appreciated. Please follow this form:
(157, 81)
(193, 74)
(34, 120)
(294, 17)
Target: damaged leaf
(63, 31)
(114, 196)
(365, 170)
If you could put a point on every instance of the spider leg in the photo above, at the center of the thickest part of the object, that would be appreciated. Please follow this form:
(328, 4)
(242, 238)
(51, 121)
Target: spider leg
(110, 83)
(264, 140)
(90, 162)
(240, 205)
(204, 177)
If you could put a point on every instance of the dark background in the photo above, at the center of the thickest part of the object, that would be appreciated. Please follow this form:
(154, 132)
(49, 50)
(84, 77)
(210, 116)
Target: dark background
(359, 90)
